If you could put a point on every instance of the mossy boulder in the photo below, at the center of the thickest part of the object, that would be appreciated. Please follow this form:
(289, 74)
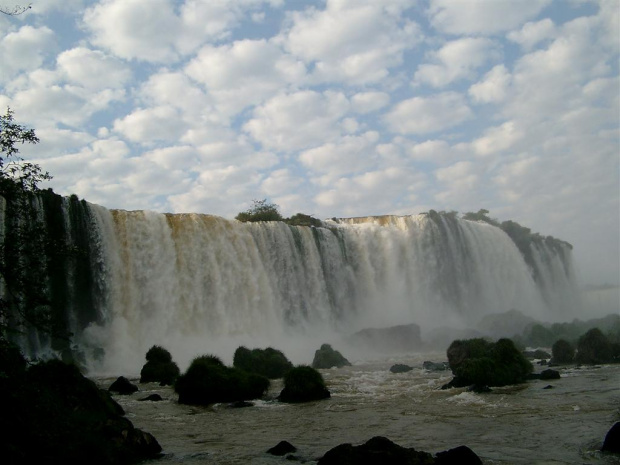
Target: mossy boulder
(52, 414)
(562, 352)
(208, 381)
(268, 362)
(327, 357)
(303, 384)
(483, 363)
(159, 367)
(594, 347)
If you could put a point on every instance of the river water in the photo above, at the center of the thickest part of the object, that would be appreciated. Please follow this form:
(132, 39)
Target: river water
(523, 424)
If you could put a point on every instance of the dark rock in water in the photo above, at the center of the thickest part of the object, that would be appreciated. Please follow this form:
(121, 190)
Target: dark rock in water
(612, 439)
(159, 367)
(402, 338)
(327, 357)
(123, 386)
(545, 375)
(241, 404)
(548, 386)
(400, 368)
(536, 354)
(152, 398)
(282, 448)
(378, 450)
(435, 366)
(56, 415)
(303, 384)
(479, 389)
(461, 455)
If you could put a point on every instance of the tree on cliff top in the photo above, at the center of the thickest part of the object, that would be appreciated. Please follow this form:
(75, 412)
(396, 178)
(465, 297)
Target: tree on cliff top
(261, 210)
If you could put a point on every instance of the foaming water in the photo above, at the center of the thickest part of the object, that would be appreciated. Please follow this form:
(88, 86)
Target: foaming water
(522, 424)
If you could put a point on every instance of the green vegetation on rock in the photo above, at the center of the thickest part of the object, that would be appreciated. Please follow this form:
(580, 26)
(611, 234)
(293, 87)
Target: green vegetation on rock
(159, 367)
(303, 384)
(268, 362)
(594, 347)
(208, 381)
(562, 352)
(482, 363)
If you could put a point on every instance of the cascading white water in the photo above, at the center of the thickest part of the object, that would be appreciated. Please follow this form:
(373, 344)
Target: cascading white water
(198, 284)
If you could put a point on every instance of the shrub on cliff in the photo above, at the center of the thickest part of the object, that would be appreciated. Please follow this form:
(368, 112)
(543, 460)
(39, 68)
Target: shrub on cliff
(482, 363)
(327, 357)
(261, 210)
(303, 384)
(208, 381)
(268, 362)
(562, 352)
(159, 367)
(52, 414)
(594, 347)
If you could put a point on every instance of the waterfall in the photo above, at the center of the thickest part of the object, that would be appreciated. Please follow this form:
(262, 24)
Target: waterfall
(199, 284)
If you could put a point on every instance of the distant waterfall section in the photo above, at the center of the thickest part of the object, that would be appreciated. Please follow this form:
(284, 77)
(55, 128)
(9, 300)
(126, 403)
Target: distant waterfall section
(186, 281)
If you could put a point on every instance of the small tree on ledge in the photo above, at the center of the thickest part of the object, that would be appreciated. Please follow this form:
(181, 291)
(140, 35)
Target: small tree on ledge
(261, 210)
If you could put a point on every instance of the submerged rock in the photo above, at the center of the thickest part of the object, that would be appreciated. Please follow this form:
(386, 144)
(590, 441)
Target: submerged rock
(282, 448)
(612, 439)
(378, 450)
(400, 368)
(152, 398)
(435, 366)
(545, 375)
(123, 386)
(327, 357)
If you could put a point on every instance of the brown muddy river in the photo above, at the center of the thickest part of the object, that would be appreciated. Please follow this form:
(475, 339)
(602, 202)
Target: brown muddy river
(523, 424)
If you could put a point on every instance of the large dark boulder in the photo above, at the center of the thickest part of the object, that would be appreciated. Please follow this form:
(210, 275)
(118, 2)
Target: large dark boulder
(282, 448)
(612, 440)
(327, 357)
(268, 362)
(483, 363)
(461, 455)
(400, 368)
(159, 367)
(53, 414)
(209, 381)
(123, 386)
(402, 338)
(303, 384)
(376, 451)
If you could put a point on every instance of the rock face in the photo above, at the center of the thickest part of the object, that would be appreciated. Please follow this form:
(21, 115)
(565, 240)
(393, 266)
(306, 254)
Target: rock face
(159, 367)
(378, 450)
(612, 440)
(400, 368)
(56, 415)
(327, 357)
(402, 338)
(209, 381)
(123, 386)
(303, 384)
(268, 362)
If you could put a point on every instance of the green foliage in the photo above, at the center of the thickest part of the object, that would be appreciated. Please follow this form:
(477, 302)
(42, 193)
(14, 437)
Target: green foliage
(208, 381)
(327, 357)
(303, 384)
(481, 215)
(301, 219)
(594, 347)
(562, 352)
(159, 367)
(261, 210)
(269, 362)
(483, 363)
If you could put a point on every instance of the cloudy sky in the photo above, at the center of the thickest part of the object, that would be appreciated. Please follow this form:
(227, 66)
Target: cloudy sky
(331, 108)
